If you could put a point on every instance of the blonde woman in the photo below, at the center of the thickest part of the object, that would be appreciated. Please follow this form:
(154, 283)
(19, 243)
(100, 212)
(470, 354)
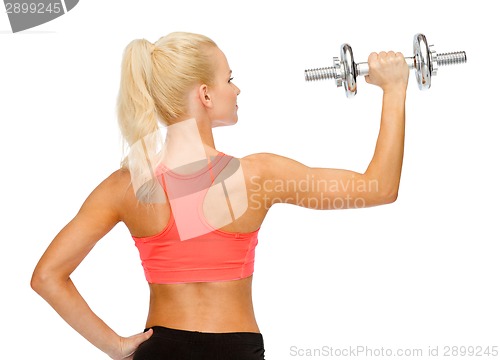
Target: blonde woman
(195, 212)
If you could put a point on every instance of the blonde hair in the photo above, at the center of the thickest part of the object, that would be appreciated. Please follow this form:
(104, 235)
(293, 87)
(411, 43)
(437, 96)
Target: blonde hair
(155, 79)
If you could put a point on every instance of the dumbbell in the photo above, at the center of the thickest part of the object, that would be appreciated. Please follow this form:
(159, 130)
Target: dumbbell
(425, 61)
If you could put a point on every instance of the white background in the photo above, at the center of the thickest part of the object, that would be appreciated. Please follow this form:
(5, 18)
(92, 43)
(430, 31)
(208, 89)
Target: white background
(421, 272)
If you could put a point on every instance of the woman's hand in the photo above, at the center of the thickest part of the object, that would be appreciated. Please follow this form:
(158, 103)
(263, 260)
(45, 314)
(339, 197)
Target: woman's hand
(129, 345)
(388, 70)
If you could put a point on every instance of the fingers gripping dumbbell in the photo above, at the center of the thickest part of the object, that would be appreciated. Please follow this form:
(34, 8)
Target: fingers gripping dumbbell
(424, 61)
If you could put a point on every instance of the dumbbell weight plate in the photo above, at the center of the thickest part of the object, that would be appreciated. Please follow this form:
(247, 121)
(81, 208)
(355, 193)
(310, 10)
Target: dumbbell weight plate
(423, 61)
(347, 61)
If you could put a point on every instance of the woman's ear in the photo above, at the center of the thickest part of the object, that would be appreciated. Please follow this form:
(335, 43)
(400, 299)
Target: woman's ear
(205, 96)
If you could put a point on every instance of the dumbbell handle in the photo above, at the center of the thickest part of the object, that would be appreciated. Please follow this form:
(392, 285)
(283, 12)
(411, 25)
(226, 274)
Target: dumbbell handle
(362, 68)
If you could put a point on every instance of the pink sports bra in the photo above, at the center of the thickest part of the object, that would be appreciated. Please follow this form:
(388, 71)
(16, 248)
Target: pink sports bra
(189, 249)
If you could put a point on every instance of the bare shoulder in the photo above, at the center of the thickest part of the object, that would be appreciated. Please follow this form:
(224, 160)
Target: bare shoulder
(116, 184)
(261, 161)
(268, 165)
(119, 178)
(255, 165)
(261, 158)
(113, 193)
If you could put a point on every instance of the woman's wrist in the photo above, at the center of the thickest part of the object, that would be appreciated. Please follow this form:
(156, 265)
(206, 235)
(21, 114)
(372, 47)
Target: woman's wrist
(395, 91)
(115, 351)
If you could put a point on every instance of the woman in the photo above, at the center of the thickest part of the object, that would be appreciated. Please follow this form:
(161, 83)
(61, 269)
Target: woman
(194, 211)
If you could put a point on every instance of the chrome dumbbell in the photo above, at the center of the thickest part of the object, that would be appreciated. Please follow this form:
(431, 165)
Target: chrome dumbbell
(425, 61)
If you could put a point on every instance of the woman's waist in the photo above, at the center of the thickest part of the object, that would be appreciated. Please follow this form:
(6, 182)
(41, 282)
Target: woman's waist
(215, 325)
(215, 320)
(205, 307)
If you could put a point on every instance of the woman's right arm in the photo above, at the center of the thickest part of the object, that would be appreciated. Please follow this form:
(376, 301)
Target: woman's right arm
(283, 180)
(51, 277)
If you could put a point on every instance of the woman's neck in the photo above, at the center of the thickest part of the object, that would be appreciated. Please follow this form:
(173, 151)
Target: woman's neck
(188, 142)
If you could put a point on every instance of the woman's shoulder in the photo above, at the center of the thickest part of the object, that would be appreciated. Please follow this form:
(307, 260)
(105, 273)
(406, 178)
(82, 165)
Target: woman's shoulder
(259, 160)
(118, 181)
(115, 189)
(254, 164)
(264, 163)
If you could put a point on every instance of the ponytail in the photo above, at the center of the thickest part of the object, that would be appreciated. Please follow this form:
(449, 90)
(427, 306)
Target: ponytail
(136, 108)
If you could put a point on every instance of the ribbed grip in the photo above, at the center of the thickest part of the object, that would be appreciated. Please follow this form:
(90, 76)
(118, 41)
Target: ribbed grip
(452, 58)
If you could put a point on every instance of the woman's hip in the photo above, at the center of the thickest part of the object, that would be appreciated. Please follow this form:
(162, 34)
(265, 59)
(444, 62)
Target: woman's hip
(167, 343)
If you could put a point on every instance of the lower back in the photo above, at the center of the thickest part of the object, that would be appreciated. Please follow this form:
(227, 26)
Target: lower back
(207, 307)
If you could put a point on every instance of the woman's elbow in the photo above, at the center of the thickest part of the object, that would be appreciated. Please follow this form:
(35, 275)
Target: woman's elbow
(388, 197)
(42, 280)
(382, 197)
(391, 198)
(37, 280)
(380, 191)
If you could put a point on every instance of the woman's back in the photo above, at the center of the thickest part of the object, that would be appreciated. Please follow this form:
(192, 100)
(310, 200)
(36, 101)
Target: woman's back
(208, 306)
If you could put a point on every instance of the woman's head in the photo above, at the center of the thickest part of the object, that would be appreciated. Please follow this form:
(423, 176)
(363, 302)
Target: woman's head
(219, 99)
(156, 79)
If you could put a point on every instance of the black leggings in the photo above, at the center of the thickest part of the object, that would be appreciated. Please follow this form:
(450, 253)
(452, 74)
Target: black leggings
(174, 344)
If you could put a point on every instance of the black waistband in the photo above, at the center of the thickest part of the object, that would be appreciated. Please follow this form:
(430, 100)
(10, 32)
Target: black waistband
(205, 337)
